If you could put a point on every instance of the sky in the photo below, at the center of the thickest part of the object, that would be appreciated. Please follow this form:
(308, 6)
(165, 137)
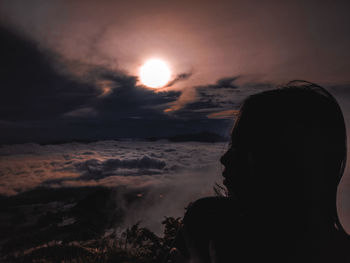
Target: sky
(70, 69)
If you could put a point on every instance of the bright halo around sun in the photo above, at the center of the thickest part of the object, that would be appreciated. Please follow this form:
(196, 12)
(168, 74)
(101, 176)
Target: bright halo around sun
(155, 73)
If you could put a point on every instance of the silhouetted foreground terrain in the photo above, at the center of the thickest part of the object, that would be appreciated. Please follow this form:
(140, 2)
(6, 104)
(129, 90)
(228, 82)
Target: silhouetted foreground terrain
(77, 225)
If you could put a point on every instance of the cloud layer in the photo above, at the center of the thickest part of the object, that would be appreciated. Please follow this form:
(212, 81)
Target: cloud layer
(166, 176)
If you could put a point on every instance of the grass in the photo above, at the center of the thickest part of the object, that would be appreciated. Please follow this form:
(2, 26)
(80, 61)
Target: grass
(134, 245)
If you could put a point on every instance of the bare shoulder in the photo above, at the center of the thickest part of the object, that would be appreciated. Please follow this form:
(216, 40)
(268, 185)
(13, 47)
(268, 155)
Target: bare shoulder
(341, 247)
(211, 210)
(213, 218)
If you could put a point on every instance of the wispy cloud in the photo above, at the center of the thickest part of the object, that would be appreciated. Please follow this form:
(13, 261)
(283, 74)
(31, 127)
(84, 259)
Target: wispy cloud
(223, 114)
(178, 78)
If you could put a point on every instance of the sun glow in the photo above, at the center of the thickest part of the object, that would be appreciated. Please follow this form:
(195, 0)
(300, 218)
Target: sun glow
(155, 73)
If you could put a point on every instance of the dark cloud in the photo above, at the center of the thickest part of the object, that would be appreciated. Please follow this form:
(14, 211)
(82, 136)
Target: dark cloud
(126, 99)
(31, 89)
(179, 77)
(223, 95)
(227, 83)
(44, 100)
(37, 100)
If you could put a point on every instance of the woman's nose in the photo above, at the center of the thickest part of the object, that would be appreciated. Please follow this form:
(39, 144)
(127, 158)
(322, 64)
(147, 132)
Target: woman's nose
(224, 158)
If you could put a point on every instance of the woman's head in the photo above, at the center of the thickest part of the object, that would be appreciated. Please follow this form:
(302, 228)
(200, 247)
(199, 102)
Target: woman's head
(287, 145)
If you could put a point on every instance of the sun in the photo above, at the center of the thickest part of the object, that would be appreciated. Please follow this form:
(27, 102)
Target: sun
(155, 73)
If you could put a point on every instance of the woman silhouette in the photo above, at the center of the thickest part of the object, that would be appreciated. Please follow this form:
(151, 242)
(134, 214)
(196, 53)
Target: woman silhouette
(286, 157)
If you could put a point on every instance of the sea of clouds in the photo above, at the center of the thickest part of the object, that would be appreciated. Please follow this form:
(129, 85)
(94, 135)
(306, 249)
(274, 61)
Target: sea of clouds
(168, 175)
(165, 176)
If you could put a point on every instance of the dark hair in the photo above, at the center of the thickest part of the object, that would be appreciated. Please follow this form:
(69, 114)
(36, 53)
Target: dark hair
(289, 144)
